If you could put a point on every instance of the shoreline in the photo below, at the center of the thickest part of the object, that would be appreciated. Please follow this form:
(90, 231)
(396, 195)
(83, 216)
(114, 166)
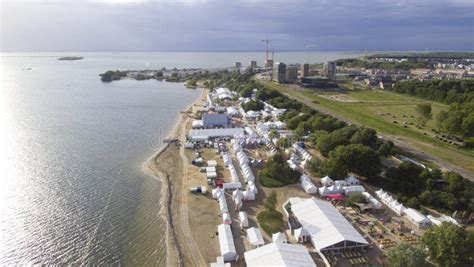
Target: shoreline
(152, 167)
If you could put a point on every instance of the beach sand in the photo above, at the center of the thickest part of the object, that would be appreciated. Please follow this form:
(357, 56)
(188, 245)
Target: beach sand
(170, 164)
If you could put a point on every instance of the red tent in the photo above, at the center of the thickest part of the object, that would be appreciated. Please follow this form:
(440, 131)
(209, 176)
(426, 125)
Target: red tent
(335, 197)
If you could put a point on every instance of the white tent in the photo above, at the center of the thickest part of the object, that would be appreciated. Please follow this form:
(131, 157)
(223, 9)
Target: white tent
(255, 237)
(353, 189)
(223, 204)
(249, 195)
(197, 124)
(226, 219)
(211, 163)
(339, 184)
(301, 234)
(242, 157)
(379, 192)
(237, 194)
(211, 175)
(253, 188)
(232, 185)
(417, 218)
(279, 254)
(233, 173)
(226, 243)
(399, 209)
(217, 192)
(327, 181)
(324, 191)
(279, 238)
(372, 200)
(237, 148)
(220, 263)
(328, 229)
(227, 159)
(352, 180)
(210, 169)
(232, 111)
(309, 187)
(244, 219)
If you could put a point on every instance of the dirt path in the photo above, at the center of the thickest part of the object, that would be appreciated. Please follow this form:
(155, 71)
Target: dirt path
(192, 249)
(402, 143)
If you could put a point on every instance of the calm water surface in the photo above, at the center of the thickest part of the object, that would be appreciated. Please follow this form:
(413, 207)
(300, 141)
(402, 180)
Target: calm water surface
(71, 148)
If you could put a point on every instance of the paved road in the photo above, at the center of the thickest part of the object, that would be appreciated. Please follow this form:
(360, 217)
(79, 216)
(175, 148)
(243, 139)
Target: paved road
(406, 145)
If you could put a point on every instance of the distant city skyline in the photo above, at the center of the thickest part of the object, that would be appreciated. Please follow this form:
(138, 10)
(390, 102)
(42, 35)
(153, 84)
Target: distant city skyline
(199, 25)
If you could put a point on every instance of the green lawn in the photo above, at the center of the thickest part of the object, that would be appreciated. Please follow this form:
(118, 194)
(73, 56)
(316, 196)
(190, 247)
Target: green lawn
(366, 109)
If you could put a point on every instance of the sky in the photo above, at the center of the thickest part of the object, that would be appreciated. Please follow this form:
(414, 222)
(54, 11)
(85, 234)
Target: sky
(239, 25)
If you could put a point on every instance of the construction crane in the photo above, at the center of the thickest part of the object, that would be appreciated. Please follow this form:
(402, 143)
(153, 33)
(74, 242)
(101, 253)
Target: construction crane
(267, 41)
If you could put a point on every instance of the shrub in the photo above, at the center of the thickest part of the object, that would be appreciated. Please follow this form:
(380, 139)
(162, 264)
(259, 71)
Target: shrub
(271, 221)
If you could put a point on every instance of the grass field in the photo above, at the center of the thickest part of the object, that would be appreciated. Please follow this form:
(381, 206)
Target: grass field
(366, 107)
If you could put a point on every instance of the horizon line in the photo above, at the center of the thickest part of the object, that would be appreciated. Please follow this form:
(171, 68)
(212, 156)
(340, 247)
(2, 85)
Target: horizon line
(235, 51)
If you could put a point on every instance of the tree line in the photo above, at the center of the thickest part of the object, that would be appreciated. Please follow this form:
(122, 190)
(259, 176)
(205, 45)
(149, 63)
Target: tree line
(388, 65)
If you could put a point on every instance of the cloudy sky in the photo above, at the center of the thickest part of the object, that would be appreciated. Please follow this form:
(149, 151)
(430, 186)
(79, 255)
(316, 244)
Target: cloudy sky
(225, 25)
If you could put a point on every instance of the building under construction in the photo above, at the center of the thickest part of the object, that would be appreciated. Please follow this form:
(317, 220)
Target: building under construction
(279, 72)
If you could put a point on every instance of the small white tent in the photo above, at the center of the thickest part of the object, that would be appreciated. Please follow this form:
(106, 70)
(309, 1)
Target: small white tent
(309, 187)
(226, 219)
(255, 237)
(353, 189)
(352, 180)
(279, 238)
(324, 191)
(226, 243)
(223, 204)
(327, 181)
(211, 163)
(249, 195)
(217, 192)
(244, 220)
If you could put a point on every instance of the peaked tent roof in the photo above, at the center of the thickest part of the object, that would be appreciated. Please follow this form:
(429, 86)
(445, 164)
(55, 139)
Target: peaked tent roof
(279, 254)
(325, 224)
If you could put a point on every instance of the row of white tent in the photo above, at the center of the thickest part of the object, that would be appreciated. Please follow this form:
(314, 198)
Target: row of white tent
(302, 152)
(349, 180)
(239, 196)
(413, 215)
(340, 187)
(390, 202)
(243, 161)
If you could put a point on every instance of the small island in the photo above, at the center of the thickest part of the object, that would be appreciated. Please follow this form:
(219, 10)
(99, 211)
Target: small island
(171, 75)
(70, 58)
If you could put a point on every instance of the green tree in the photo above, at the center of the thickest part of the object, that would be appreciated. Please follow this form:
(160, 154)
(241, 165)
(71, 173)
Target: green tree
(449, 245)
(255, 105)
(270, 201)
(424, 113)
(273, 134)
(440, 118)
(284, 142)
(355, 158)
(406, 255)
(277, 173)
(314, 166)
(357, 198)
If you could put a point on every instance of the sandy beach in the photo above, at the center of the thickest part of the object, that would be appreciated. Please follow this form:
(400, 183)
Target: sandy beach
(170, 165)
